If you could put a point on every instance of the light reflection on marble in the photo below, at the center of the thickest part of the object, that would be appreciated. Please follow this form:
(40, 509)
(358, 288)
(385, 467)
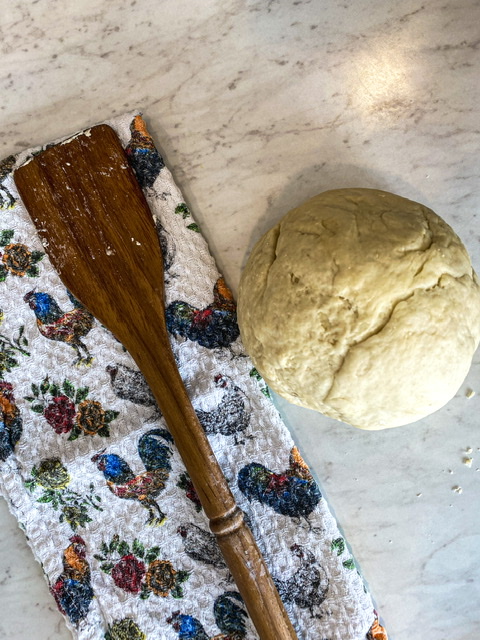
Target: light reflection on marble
(257, 106)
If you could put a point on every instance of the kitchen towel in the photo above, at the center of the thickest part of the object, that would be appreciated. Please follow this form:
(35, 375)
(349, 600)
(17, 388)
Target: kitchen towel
(92, 475)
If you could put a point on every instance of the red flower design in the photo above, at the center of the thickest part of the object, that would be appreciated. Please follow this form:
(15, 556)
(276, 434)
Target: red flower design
(60, 414)
(128, 573)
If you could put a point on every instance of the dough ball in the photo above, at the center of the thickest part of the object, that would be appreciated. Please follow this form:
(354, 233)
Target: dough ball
(362, 305)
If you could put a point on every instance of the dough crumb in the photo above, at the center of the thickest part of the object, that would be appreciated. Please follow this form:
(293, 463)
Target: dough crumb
(469, 393)
(467, 461)
(457, 489)
(468, 449)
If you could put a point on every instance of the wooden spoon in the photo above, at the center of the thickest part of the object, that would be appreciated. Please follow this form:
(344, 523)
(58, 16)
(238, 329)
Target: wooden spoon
(100, 236)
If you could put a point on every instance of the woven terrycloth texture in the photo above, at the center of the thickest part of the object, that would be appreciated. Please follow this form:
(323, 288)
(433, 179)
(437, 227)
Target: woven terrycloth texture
(93, 477)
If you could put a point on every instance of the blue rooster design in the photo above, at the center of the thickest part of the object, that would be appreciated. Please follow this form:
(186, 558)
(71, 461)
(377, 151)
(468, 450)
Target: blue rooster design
(144, 487)
(230, 615)
(63, 326)
(142, 154)
(72, 589)
(293, 493)
(213, 327)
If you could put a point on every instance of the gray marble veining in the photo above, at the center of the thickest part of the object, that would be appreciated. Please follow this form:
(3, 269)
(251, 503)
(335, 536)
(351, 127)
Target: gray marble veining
(258, 105)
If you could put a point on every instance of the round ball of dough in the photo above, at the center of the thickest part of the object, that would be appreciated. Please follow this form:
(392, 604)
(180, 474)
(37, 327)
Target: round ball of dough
(362, 305)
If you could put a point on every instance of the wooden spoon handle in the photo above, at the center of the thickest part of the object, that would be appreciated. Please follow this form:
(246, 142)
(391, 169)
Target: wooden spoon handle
(234, 537)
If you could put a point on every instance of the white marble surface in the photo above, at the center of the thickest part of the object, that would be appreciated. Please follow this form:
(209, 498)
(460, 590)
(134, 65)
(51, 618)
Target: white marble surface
(258, 105)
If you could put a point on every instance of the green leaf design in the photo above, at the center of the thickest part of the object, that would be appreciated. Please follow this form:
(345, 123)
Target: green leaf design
(6, 236)
(113, 546)
(45, 498)
(104, 432)
(74, 433)
(32, 272)
(177, 592)
(152, 554)
(35, 390)
(193, 227)
(123, 548)
(110, 415)
(182, 575)
(107, 567)
(182, 210)
(54, 389)
(68, 389)
(338, 545)
(104, 548)
(44, 386)
(30, 484)
(81, 394)
(3, 273)
(145, 593)
(349, 564)
(37, 408)
(36, 256)
(138, 549)
(98, 557)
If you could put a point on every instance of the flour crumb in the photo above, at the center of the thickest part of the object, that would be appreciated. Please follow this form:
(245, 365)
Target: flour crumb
(457, 489)
(468, 449)
(469, 393)
(467, 461)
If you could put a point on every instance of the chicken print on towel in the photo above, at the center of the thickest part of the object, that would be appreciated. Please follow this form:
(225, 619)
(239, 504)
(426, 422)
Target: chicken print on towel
(213, 327)
(63, 326)
(72, 590)
(144, 487)
(232, 414)
(201, 545)
(7, 200)
(308, 585)
(142, 154)
(11, 424)
(230, 617)
(292, 492)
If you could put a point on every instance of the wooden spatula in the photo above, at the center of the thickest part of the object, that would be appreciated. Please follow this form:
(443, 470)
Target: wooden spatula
(100, 236)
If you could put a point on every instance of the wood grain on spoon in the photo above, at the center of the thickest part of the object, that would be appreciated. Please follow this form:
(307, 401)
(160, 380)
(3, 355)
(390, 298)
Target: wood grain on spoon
(100, 236)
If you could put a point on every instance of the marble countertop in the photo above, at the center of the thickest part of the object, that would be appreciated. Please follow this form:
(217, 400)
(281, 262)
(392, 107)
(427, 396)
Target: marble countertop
(258, 105)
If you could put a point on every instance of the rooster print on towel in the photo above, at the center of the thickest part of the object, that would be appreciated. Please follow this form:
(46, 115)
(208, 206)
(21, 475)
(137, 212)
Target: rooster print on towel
(11, 424)
(72, 589)
(144, 487)
(293, 492)
(62, 326)
(213, 327)
(142, 154)
(230, 617)
(231, 416)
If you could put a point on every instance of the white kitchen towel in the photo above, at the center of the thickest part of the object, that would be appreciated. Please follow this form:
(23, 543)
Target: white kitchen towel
(92, 475)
